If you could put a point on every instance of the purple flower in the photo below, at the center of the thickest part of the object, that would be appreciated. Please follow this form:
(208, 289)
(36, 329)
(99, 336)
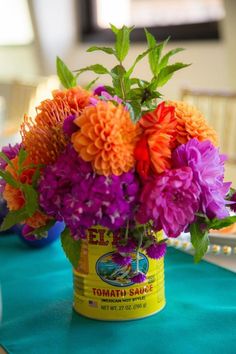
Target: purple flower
(138, 278)
(126, 247)
(70, 191)
(11, 152)
(68, 126)
(121, 260)
(170, 200)
(156, 250)
(233, 205)
(208, 173)
(99, 90)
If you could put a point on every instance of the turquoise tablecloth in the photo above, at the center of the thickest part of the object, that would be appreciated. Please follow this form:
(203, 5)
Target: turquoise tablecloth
(200, 315)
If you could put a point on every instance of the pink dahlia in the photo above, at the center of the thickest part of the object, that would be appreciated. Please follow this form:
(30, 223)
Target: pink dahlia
(11, 151)
(170, 200)
(207, 166)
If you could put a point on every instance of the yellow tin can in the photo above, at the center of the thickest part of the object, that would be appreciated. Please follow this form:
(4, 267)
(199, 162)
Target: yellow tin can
(103, 290)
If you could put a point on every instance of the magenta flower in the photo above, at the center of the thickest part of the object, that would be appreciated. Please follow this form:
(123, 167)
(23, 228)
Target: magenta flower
(138, 278)
(70, 191)
(126, 247)
(121, 260)
(156, 250)
(170, 200)
(99, 90)
(68, 126)
(208, 173)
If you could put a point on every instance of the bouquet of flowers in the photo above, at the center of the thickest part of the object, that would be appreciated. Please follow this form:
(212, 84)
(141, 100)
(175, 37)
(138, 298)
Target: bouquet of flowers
(120, 157)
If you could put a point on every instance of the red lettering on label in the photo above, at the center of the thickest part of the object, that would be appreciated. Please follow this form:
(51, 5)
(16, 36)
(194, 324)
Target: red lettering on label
(102, 242)
(92, 236)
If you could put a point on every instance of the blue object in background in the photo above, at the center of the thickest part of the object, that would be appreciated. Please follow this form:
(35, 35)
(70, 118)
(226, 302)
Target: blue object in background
(53, 234)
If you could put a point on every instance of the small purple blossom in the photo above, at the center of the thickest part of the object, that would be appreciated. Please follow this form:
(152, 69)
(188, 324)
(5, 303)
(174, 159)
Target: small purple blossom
(99, 89)
(68, 126)
(138, 278)
(207, 166)
(121, 260)
(170, 200)
(156, 250)
(70, 191)
(11, 152)
(126, 246)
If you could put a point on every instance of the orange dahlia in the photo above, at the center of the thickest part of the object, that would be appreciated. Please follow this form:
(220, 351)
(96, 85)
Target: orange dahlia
(153, 150)
(14, 196)
(106, 138)
(191, 124)
(43, 138)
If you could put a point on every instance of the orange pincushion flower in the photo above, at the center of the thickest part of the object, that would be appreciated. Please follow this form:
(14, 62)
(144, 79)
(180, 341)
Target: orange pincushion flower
(43, 138)
(107, 138)
(153, 150)
(14, 196)
(191, 124)
(37, 220)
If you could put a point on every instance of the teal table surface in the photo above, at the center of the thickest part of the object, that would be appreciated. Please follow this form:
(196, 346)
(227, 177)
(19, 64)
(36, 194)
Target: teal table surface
(36, 285)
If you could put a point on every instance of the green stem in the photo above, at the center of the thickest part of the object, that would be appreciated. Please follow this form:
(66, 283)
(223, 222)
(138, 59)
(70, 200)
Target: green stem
(137, 253)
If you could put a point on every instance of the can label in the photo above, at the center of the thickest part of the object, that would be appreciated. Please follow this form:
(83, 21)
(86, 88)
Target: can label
(104, 290)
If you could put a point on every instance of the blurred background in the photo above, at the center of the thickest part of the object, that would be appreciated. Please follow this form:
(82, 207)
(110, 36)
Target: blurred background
(34, 32)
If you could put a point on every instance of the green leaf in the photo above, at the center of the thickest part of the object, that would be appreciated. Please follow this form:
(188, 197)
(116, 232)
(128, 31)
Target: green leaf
(139, 57)
(7, 160)
(102, 49)
(13, 218)
(135, 109)
(153, 59)
(155, 55)
(110, 90)
(122, 42)
(200, 241)
(22, 157)
(114, 28)
(96, 68)
(221, 223)
(165, 59)
(9, 178)
(88, 87)
(65, 75)
(119, 81)
(167, 72)
(35, 177)
(31, 199)
(71, 247)
(41, 232)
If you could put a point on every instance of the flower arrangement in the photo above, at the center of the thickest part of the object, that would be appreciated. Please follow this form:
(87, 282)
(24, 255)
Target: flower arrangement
(120, 157)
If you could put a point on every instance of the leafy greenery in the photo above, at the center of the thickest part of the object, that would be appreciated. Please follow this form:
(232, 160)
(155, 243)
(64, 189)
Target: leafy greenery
(71, 247)
(200, 229)
(200, 241)
(66, 77)
(29, 191)
(139, 95)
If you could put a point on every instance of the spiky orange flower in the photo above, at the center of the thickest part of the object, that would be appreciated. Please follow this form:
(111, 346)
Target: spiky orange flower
(107, 138)
(43, 138)
(191, 124)
(153, 150)
(14, 196)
